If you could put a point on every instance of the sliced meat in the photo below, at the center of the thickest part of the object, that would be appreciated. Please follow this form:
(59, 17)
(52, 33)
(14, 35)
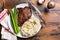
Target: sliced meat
(24, 15)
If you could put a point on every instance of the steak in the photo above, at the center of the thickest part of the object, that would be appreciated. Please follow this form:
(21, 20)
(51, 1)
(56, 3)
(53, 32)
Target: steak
(23, 15)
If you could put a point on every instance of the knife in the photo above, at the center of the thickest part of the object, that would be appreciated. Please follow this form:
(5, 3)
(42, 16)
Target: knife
(34, 8)
(36, 11)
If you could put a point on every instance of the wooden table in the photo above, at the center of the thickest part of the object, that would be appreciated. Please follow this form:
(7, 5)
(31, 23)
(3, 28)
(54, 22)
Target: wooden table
(51, 31)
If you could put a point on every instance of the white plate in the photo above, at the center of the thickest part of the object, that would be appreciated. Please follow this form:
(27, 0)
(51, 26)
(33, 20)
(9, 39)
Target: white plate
(22, 5)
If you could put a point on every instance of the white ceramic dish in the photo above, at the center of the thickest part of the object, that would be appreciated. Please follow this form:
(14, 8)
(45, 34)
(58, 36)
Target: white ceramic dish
(22, 5)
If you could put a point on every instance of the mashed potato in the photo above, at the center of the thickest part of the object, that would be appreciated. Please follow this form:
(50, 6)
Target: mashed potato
(30, 27)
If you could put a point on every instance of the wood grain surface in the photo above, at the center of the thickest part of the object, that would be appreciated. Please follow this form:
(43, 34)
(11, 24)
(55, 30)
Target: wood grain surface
(51, 30)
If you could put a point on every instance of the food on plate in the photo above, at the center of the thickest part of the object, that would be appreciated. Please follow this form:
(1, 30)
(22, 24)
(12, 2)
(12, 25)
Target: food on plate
(30, 27)
(23, 15)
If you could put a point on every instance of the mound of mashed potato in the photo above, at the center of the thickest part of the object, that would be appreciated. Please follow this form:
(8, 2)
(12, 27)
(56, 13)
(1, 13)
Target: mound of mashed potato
(30, 27)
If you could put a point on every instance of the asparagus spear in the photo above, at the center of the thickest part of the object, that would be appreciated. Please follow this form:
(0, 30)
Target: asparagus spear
(14, 22)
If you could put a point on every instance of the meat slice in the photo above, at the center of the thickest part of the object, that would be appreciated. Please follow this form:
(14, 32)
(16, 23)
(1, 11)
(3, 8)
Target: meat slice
(24, 15)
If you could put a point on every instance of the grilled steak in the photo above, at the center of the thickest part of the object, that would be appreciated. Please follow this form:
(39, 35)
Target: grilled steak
(24, 15)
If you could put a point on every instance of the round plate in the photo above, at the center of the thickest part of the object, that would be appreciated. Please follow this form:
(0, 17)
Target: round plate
(22, 5)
